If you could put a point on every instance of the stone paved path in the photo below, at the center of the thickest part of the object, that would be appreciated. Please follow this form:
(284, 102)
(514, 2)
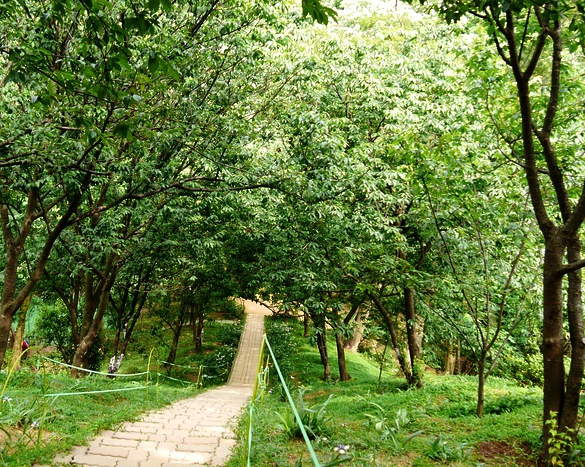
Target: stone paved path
(195, 432)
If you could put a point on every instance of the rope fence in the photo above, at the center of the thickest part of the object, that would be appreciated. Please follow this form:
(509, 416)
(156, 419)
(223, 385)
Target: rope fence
(260, 385)
(149, 374)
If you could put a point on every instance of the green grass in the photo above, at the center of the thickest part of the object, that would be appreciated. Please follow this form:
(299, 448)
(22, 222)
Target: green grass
(364, 414)
(69, 420)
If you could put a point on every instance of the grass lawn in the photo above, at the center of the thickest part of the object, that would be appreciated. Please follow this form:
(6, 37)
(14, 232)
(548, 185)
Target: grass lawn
(388, 424)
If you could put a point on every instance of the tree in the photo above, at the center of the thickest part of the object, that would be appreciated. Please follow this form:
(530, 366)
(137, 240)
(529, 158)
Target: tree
(98, 102)
(490, 270)
(535, 40)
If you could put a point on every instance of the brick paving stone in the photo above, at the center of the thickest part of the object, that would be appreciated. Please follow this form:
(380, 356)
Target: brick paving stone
(94, 460)
(130, 435)
(147, 446)
(146, 425)
(137, 456)
(126, 443)
(158, 437)
(152, 463)
(113, 451)
(195, 432)
(141, 429)
(127, 463)
(197, 448)
(200, 440)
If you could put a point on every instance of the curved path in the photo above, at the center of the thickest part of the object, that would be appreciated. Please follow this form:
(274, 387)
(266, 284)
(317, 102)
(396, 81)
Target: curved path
(195, 431)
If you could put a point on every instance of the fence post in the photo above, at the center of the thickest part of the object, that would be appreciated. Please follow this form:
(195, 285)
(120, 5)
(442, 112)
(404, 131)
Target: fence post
(148, 370)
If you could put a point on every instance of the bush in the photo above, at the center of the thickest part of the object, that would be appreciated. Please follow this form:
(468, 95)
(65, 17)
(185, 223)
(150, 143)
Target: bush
(217, 365)
(54, 328)
(280, 336)
(229, 309)
(526, 369)
(229, 334)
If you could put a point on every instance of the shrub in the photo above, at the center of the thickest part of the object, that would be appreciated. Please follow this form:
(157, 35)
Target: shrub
(525, 369)
(229, 334)
(217, 365)
(229, 309)
(54, 328)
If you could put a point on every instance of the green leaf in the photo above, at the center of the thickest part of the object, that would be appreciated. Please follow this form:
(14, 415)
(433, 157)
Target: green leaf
(153, 61)
(172, 72)
(153, 5)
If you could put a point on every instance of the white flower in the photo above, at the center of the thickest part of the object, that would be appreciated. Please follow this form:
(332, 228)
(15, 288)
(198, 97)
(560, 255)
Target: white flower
(341, 448)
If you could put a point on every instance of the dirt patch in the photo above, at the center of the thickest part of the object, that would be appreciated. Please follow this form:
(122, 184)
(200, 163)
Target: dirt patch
(522, 454)
(313, 395)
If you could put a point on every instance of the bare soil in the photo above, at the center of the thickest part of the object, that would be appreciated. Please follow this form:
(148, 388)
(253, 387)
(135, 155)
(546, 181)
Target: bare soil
(522, 454)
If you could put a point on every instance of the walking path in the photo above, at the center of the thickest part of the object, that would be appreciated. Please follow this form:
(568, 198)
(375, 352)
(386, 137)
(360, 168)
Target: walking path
(195, 432)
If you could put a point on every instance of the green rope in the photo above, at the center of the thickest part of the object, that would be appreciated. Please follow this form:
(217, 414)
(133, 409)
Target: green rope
(92, 371)
(82, 393)
(293, 407)
(179, 366)
(174, 379)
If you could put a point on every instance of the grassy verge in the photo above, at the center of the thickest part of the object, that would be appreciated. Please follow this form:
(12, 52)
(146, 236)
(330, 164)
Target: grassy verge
(34, 425)
(388, 424)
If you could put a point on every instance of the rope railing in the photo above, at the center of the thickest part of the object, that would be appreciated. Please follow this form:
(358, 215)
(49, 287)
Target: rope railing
(261, 384)
(112, 375)
(149, 373)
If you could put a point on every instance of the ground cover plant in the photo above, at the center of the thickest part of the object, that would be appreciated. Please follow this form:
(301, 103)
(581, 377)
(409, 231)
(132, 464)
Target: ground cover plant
(386, 423)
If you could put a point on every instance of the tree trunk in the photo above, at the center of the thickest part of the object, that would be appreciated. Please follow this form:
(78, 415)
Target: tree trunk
(174, 346)
(458, 358)
(11, 301)
(197, 322)
(341, 363)
(19, 337)
(552, 335)
(481, 386)
(574, 382)
(412, 336)
(7, 307)
(322, 346)
(354, 341)
(115, 363)
(449, 360)
(404, 367)
(306, 324)
(382, 361)
(93, 321)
